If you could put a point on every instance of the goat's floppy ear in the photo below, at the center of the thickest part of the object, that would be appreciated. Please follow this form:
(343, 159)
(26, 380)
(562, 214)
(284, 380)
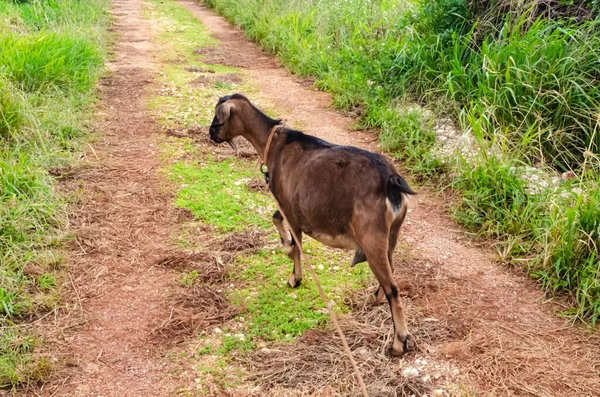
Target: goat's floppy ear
(224, 110)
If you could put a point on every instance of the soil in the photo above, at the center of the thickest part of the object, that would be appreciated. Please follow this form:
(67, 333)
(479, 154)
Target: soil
(490, 325)
(122, 229)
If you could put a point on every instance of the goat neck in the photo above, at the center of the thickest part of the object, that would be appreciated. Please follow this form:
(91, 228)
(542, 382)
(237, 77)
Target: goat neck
(257, 128)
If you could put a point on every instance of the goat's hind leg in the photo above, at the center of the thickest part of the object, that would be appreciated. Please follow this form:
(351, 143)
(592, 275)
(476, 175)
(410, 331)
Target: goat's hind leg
(378, 259)
(393, 240)
(290, 248)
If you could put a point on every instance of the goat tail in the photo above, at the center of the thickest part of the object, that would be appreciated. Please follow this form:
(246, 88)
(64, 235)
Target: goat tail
(396, 187)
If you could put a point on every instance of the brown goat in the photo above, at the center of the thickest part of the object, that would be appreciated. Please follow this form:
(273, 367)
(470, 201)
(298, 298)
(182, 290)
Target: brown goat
(342, 196)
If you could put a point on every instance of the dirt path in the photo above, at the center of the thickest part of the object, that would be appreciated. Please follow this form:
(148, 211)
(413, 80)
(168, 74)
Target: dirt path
(490, 323)
(122, 228)
(467, 310)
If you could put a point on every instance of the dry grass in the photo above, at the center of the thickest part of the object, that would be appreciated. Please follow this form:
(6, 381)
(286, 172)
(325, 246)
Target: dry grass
(228, 78)
(199, 134)
(257, 185)
(198, 306)
(193, 309)
(210, 266)
(197, 69)
(496, 355)
(247, 241)
(316, 364)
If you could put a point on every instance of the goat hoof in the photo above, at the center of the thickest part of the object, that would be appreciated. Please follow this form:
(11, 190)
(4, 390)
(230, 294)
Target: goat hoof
(394, 353)
(397, 349)
(292, 282)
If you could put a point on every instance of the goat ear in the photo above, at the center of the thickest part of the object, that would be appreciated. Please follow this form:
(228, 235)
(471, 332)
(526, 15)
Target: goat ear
(224, 111)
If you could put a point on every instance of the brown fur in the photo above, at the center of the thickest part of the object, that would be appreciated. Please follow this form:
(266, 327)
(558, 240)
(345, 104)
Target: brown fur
(340, 195)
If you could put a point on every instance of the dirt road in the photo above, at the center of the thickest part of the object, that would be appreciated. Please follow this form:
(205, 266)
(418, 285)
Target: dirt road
(121, 229)
(490, 324)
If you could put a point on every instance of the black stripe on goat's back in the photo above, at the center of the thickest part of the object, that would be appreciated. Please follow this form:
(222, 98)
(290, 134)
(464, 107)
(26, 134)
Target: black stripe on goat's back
(305, 141)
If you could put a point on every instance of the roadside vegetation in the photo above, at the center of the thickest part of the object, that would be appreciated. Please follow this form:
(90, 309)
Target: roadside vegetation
(51, 54)
(518, 85)
(214, 185)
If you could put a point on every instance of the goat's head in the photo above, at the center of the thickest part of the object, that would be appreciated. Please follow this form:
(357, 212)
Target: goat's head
(227, 124)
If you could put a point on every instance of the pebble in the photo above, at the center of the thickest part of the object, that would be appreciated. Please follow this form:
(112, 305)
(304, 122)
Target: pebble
(410, 372)
(320, 267)
(438, 392)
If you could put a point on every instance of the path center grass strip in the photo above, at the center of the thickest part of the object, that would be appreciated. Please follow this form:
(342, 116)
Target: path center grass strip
(211, 182)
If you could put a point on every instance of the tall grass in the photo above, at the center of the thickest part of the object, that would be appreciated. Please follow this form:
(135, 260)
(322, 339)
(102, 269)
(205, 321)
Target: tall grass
(51, 54)
(523, 80)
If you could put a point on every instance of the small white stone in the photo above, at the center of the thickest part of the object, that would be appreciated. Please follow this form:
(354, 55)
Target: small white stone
(320, 267)
(438, 392)
(218, 331)
(410, 372)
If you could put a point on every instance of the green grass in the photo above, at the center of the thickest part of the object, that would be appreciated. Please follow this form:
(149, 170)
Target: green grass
(526, 87)
(216, 193)
(213, 187)
(276, 312)
(51, 55)
(408, 136)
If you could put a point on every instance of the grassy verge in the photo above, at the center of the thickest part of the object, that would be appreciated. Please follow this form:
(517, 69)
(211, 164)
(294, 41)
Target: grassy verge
(211, 183)
(51, 53)
(521, 81)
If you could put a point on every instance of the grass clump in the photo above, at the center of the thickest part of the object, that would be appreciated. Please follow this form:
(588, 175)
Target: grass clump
(51, 55)
(43, 60)
(521, 77)
(408, 136)
(571, 242)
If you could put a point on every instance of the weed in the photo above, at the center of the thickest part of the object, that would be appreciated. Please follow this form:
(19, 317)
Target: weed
(188, 279)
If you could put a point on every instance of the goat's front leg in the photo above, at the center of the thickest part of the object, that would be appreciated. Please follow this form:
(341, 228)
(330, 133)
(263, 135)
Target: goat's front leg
(286, 239)
(290, 248)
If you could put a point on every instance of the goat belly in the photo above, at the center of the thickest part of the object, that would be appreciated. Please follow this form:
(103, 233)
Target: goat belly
(337, 241)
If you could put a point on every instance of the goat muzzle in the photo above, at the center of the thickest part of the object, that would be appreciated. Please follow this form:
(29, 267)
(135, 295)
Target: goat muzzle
(213, 132)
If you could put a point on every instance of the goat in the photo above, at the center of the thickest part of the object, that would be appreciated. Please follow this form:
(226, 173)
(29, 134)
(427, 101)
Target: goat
(342, 196)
